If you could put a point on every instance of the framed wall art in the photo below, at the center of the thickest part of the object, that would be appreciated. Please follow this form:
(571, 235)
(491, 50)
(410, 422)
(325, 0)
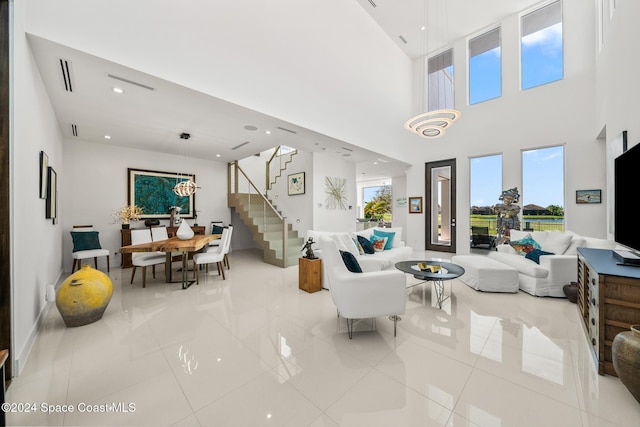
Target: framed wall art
(153, 192)
(336, 190)
(588, 196)
(44, 174)
(415, 205)
(51, 210)
(296, 183)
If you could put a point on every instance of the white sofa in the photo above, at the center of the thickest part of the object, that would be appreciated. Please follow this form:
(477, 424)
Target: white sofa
(554, 271)
(363, 295)
(378, 261)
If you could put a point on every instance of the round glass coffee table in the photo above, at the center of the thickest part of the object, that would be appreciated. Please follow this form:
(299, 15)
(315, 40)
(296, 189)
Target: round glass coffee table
(445, 271)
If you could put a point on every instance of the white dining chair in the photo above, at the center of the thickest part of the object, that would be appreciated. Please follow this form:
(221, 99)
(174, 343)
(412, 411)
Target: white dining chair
(144, 259)
(227, 248)
(86, 244)
(213, 255)
(159, 233)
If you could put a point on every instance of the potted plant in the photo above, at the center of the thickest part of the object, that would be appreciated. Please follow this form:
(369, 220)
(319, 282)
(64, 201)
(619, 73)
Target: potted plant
(127, 214)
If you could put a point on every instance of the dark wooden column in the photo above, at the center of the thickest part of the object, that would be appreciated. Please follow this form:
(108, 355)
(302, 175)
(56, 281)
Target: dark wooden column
(5, 254)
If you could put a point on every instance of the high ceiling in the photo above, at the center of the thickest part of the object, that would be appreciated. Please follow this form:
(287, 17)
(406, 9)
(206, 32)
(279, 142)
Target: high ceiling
(444, 20)
(152, 112)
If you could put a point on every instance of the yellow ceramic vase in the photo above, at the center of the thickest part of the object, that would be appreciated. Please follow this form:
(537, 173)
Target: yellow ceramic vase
(84, 296)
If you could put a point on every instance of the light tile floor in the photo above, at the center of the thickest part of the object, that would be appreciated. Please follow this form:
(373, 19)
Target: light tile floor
(254, 350)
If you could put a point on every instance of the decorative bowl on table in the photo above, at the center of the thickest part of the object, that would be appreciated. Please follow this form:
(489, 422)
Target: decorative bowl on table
(434, 268)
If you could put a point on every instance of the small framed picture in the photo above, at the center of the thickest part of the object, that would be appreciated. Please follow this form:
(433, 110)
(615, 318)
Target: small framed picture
(44, 174)
(415, 205)
(588, 196)
(51, 210)
(296, 183)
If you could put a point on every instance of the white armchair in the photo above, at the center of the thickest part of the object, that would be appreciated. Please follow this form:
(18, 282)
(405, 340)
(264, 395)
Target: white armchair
(363, 295)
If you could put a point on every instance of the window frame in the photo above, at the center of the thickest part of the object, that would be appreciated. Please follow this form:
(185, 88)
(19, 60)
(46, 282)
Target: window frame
(520, 18)
(448, 50)
(472, 37)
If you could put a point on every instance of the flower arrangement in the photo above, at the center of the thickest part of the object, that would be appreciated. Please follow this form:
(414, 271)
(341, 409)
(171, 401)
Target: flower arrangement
(127, 214)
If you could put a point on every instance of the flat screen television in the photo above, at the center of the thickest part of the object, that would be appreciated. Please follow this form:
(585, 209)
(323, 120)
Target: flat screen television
(626, 185)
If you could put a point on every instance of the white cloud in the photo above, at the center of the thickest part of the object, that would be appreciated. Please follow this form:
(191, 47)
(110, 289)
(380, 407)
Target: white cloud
(550, 37)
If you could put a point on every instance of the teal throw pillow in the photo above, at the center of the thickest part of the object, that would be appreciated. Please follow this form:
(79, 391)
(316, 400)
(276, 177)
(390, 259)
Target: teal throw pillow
(366, 245)
(388, 234)
(216, 229)
(535, 255)
(350, 262)
(85, 240)
(525, 245)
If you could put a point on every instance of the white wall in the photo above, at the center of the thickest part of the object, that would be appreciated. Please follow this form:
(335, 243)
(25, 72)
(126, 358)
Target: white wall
(559, 113)
(94, 185)
(333, 219)
(36, 241)
(618, 87)
(297, 208)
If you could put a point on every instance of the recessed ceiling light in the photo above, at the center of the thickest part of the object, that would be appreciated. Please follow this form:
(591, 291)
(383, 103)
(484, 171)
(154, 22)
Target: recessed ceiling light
(107, 137)
(268, 132)
(375, 163)
(217, 155)
(118, 90)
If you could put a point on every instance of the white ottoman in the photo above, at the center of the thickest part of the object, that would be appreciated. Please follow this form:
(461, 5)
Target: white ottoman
(486, 274)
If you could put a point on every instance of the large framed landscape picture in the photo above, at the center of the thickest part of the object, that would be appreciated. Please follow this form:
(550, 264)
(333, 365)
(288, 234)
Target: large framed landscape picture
(153, 192)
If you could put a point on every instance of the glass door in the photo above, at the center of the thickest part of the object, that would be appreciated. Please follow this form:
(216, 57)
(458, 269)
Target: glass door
(440, 206)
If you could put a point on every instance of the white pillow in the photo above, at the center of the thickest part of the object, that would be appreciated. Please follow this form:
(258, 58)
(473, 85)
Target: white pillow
(576, 242)
(556, 242)
(346, 242)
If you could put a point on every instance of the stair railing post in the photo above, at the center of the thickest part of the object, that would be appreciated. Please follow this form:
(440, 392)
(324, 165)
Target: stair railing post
(285, 241)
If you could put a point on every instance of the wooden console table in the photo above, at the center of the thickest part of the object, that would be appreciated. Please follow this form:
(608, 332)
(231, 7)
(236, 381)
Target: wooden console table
(125, 240)
(608, 302)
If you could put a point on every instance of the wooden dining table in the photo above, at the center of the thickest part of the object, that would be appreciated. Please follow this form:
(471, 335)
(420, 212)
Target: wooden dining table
(174, 244)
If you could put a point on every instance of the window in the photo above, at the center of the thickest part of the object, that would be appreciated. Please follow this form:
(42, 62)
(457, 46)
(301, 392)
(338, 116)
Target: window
(440, 78)
(543, 189)
(485, 70)
(377, 203)
(541, 46)
(286, 150)
(485, 187)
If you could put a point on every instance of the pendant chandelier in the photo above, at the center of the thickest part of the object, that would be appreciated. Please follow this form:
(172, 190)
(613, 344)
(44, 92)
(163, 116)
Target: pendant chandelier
(185, 188)
(434, 123)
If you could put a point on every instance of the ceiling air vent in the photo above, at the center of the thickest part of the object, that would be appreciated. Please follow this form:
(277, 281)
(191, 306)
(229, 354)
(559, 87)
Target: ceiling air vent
(287, 130)
(348, 149)
(66, 75)
(74, 130)
(241, 145)
(372, 3)
(131, 82)
(403, 39)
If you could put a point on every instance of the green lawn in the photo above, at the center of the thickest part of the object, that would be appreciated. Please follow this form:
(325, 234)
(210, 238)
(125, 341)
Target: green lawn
(535, 222)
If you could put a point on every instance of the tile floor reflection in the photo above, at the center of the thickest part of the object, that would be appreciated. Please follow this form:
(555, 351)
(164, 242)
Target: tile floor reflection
(254, 350)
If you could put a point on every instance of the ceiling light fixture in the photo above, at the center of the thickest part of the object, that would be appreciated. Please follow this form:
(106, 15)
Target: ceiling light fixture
(432, 124)
(118, 90)
(184, 186)
(107, 137)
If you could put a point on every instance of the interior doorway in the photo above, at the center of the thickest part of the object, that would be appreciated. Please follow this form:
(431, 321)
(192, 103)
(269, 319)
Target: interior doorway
(440, 206)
